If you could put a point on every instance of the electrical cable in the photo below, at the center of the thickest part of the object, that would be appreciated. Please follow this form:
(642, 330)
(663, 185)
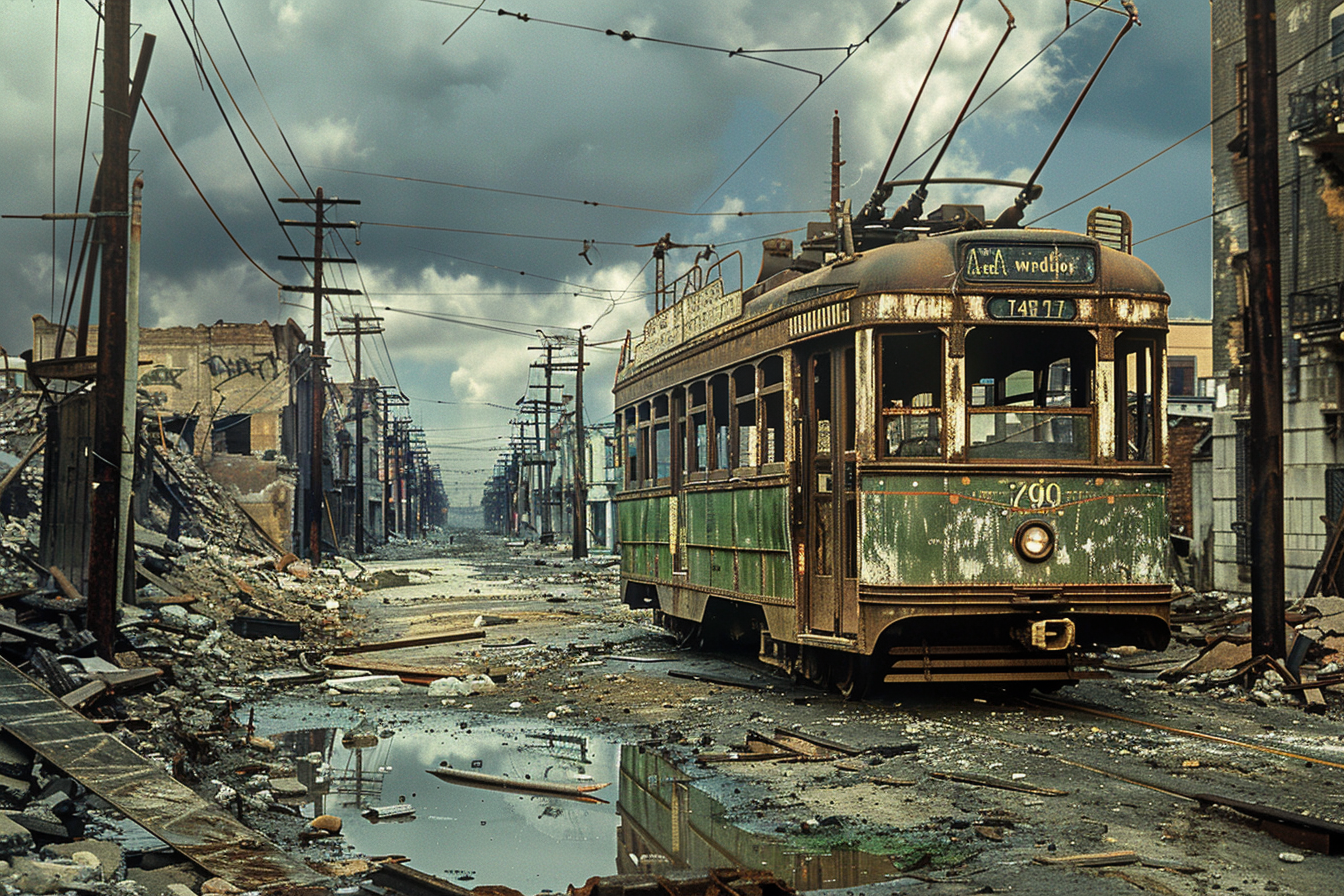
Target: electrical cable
(197, 188)
(265, 102)
(529, 195)
(851, 50)
(627, 36)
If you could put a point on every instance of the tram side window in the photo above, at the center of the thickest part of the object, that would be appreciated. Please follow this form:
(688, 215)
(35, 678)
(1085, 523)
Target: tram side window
(772, 404)
(629, 435)
(697, 456)
(1136, 397)
(744, 400)
(645, 450)
(720, 414)
(912, 394)
(662, 440)
(1030, 392)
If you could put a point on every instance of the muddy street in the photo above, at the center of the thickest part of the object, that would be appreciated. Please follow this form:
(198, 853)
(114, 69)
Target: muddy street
(1125, 784)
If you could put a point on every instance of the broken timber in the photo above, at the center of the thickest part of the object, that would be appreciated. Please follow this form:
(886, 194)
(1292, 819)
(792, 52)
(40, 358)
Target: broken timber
(422, 641)
(497, 782)
(198, 829)
(982, 781)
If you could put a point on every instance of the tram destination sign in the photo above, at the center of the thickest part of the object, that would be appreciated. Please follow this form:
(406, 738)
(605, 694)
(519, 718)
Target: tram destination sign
(1029, 263)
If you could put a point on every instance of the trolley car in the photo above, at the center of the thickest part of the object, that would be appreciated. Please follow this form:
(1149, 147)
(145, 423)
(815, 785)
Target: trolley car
(929, 449)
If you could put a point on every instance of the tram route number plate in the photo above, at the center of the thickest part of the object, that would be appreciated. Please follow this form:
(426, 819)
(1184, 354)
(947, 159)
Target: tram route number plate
(1001, 308)
(1029, 263)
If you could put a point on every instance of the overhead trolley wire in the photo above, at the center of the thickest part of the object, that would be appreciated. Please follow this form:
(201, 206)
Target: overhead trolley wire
(626, 35)
(849, 54)
(570, 199)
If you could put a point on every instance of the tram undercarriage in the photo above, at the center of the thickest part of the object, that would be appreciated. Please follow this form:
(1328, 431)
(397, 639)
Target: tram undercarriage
(948, 644)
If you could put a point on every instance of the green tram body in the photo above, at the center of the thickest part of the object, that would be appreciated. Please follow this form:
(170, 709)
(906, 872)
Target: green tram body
(851, 465)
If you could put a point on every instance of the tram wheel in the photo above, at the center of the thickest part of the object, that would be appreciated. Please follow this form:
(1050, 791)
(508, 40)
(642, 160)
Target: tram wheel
(852, 674)
(814, 668)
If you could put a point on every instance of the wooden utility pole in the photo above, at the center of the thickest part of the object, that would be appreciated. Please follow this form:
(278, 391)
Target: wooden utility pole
(359, 391)
(580, 542)
(105, 504)
(317, 355)
(1264, 331)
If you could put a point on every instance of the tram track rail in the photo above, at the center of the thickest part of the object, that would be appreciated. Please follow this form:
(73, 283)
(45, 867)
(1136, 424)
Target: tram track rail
(1297, 829)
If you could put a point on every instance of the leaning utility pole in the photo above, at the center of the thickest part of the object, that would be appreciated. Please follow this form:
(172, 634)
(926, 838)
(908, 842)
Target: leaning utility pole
(105, 502)
(317, 356)
(1263, 332)
(359, 330)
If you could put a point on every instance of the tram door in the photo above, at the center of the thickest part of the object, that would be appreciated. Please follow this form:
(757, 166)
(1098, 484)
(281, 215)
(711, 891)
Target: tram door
(830, 602)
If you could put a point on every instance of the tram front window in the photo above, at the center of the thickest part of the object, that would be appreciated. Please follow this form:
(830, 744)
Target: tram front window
(1030, 392)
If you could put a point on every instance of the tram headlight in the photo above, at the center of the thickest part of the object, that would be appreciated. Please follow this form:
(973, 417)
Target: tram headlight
(1034, 541)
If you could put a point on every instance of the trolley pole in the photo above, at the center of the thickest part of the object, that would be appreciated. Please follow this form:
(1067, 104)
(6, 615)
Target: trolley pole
(1264, 331)
(317, 355)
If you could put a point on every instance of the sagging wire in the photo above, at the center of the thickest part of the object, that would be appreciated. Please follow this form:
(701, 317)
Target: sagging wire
(849, 54)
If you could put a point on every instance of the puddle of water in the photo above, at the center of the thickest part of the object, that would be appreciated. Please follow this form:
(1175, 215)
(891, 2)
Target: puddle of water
(650, 819)
(472, 836)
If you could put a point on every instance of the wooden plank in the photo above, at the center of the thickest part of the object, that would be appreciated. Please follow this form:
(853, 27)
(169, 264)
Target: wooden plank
(411, 672)
(198, 829)
(981, 781)
(421, 641)
(77, 698)
(24, 631)
(157, 581)
(1092, 859)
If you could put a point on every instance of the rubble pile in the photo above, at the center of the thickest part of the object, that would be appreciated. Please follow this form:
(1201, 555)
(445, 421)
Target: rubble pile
(216, 610)
(21, 500)
(1225, 665)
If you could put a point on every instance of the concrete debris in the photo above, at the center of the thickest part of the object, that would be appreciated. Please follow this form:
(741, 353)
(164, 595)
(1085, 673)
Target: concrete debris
(365, 684)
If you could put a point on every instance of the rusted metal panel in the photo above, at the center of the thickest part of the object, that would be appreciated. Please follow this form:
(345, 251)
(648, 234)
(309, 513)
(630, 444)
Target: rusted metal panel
(198, 829)
(948, 530)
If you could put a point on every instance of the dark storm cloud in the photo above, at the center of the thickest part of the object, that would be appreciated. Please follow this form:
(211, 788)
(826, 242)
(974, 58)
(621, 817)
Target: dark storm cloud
(544, 110)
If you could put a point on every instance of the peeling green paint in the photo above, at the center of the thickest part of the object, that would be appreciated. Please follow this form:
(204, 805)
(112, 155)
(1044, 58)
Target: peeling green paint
(952, 530)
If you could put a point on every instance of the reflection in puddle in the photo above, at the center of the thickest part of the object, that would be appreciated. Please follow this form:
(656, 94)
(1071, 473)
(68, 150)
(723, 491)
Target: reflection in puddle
(474, 836)
(667, 822)
(533, 842)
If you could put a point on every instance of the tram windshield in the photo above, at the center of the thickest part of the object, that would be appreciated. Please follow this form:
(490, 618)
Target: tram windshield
(1030, 392)
(912, 394)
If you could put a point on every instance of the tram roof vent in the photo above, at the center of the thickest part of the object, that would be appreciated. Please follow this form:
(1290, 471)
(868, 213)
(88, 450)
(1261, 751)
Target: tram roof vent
(1111, 227)
(776, 255)
(959, 214)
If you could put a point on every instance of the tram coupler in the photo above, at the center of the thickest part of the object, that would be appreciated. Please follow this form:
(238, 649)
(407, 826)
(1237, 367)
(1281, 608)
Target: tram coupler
(1046, 634)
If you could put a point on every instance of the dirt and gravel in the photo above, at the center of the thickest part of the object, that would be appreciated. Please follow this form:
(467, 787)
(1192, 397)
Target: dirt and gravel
(984, 791)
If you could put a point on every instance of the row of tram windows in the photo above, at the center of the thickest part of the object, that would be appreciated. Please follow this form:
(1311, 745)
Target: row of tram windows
(1031, 393)
(730, 421)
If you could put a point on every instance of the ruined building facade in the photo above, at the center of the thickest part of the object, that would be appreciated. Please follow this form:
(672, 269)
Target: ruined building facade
(230, 394)
(1311, 285)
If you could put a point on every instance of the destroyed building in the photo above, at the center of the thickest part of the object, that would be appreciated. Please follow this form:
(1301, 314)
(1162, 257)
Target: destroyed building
(229, 393)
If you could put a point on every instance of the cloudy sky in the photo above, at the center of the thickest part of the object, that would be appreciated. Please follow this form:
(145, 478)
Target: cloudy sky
(488, 149)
